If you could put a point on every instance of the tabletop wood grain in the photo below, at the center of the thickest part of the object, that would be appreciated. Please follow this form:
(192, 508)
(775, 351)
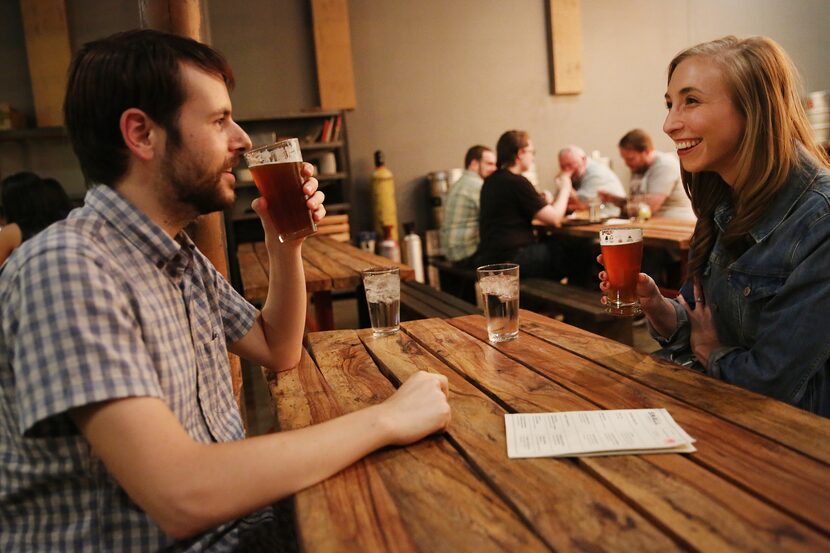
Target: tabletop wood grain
(760, 480)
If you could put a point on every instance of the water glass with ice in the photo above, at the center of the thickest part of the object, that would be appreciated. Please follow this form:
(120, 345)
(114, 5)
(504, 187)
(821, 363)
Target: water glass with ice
(499, 285)
(383, 296)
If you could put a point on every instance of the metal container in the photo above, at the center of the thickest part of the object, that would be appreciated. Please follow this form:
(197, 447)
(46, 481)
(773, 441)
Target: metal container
(438, 186)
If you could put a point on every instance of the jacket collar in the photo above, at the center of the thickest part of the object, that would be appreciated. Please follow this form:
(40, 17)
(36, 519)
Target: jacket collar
(799, 180)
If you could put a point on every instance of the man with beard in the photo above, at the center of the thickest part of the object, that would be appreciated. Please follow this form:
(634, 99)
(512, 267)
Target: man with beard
(119, 427)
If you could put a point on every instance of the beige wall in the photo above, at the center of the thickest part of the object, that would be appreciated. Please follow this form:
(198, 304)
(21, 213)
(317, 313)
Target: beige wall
(435, 76)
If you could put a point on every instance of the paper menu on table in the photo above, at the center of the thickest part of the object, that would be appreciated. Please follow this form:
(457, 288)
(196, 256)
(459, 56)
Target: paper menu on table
(585, 433)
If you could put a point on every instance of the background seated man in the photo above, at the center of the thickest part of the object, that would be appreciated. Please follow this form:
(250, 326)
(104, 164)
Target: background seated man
(655, 178)
(509, 203)
(588, 177)
(459, 231)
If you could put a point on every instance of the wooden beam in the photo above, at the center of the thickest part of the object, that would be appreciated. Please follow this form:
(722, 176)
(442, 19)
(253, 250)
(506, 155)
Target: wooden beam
(565, 20)
(48, 53)
(333, 52)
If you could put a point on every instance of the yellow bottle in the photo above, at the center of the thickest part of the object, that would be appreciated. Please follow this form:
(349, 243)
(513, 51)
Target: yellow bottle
(384, 205)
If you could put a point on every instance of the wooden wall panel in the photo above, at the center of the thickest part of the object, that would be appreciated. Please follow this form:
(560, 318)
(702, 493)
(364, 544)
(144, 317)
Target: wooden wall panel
(333, 51)
(565, 18)
(48, 52)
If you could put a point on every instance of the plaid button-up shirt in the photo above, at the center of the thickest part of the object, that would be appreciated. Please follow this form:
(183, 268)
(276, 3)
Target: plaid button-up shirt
(459, 230)
(105, 305)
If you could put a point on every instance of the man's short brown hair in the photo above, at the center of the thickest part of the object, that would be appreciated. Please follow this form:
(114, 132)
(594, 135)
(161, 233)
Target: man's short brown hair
(474, 154)
(135, 69)
(637, 140)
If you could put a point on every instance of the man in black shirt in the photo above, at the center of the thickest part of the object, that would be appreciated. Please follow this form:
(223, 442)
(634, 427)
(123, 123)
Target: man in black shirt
(509, 203)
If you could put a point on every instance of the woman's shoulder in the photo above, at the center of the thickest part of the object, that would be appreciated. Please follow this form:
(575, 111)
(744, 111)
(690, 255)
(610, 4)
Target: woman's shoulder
(10, 238)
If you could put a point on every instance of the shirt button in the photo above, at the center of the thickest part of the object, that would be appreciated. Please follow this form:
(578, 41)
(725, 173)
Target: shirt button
(747, 291)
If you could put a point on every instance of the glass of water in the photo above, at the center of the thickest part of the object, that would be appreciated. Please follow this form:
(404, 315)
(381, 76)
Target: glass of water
(499, 285)
(383, 295)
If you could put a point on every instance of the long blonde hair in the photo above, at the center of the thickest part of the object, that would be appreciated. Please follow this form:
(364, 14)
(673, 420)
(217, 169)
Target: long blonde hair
(765, 89)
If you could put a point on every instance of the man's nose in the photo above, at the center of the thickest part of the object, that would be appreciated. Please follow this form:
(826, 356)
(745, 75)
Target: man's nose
(243, 141)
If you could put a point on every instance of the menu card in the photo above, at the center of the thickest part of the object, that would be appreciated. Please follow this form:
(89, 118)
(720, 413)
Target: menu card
(590, 433)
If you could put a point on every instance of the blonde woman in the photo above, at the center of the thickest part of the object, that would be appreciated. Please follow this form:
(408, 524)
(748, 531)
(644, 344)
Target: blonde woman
(753, 311)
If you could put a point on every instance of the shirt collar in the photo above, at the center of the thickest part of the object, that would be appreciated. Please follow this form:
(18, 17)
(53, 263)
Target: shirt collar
(138, 229)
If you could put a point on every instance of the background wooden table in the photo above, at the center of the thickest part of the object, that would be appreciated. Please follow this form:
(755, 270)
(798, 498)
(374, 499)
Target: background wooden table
(760, 480)
(328, 265)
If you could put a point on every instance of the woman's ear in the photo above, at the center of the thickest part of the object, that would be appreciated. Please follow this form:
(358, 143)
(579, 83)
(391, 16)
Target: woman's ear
(139, 132)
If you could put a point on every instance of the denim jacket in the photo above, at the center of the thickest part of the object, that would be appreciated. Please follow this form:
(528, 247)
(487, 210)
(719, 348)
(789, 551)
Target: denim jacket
(771, 305)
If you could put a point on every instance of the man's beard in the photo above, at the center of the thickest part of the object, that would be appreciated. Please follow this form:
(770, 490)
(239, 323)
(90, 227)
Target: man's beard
(193, 183)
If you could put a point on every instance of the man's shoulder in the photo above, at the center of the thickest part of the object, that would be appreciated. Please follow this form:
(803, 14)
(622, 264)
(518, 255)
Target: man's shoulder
(56, 247)
(466, 184)
(666, 159)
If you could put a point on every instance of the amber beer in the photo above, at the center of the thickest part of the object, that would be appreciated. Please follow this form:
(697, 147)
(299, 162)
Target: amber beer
(276, 170)
(622, 253)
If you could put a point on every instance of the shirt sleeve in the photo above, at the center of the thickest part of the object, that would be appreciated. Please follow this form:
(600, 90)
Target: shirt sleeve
(791, 345)
(530, 202)
(238, 315)
(76, 339)
(599, 179)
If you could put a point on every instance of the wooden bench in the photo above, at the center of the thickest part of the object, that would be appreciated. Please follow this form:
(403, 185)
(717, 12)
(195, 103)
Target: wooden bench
(457, 281)
(578, 307)
(419, 301)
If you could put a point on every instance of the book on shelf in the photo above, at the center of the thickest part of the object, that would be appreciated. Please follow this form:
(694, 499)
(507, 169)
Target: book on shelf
(331, 129)
(338, 128)
(326, 132)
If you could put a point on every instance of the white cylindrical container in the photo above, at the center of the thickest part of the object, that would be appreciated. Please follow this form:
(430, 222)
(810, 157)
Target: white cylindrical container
(413, 252)
(818, 113)
(389, 247)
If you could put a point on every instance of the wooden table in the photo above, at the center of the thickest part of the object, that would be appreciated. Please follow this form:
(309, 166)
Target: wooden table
(328, 265)
(760, 480)
(658, 232)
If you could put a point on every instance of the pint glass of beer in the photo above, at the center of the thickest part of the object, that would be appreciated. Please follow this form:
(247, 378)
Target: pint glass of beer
(622, 253)
(276, 171)
(499, 286)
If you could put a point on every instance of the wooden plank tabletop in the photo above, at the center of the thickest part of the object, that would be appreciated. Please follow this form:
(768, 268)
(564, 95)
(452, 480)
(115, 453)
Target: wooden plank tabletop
(327, 263)
(672, 234)
(760, 480)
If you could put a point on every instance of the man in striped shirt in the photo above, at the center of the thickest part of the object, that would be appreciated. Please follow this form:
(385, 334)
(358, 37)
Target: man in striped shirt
(119, 428)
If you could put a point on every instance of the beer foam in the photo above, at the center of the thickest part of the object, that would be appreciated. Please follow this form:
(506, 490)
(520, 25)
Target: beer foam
(619, 236)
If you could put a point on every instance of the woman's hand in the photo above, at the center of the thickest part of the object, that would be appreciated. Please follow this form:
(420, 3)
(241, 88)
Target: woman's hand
(704, 338)
(659, 310)
(647, 291)
(315, 196)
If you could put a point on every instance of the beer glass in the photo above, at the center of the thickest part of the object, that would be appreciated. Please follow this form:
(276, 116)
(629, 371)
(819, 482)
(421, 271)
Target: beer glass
(499, 285)
(276, 169)
(622, 253)
(383, 296)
